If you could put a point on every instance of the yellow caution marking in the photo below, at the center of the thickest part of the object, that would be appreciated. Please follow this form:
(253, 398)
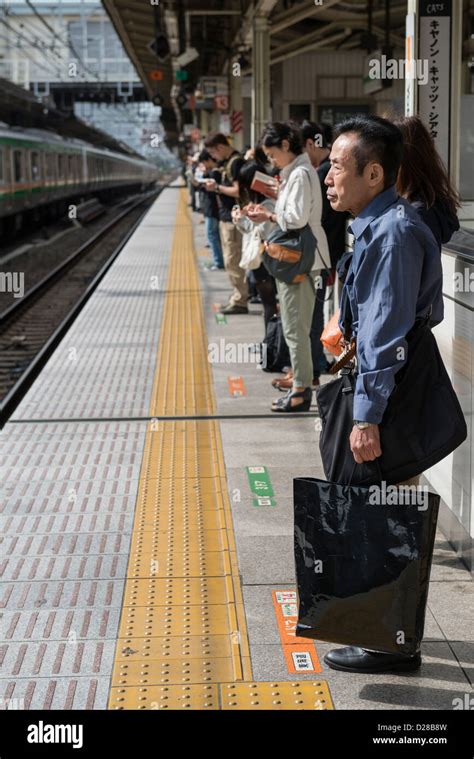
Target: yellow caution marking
(183, 639)
(278, 695)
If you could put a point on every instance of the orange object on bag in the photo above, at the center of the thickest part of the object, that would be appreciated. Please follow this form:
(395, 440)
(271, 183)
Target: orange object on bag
(332, 337)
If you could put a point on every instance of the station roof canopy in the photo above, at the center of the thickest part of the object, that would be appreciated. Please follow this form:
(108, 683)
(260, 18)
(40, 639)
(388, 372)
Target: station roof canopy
(221, 32)
(19, 107)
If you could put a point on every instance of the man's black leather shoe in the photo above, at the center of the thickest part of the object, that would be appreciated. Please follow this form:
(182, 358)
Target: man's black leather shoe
(355, 659)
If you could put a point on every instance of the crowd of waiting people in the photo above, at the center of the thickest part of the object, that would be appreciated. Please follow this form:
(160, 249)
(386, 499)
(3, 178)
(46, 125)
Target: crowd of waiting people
(316, 179)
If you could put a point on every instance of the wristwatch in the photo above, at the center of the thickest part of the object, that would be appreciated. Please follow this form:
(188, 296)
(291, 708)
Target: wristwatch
(361, 425)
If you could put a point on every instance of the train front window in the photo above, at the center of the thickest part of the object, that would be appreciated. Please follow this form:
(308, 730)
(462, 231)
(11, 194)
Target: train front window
(17, 166)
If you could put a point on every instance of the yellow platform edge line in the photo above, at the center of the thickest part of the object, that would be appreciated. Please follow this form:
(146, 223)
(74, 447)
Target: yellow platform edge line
(183, 385)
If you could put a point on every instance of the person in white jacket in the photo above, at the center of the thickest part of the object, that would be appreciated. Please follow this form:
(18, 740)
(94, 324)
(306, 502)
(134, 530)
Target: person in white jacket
(299, 202)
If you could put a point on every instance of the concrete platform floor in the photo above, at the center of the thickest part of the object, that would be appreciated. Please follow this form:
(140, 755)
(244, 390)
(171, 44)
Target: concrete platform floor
(288, 447)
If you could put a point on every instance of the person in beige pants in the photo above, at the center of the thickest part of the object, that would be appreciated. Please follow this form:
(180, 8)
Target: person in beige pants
(230, 163)
(232, 251)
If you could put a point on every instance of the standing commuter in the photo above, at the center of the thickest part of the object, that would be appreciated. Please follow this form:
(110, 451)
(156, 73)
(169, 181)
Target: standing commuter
(253, 236)
(424, 181)
(211, 210)
(227, 196)
(395, 276)
(299, 202)
(334, 225)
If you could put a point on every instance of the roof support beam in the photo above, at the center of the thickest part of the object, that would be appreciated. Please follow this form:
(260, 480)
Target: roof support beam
(294, 16)
(323, 43)
(260, 8)
(297, 43)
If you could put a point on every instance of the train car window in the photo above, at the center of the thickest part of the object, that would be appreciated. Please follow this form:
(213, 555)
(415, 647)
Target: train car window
(35, 166)
(2, 170)
(50, 166)
(17, 166)
(61, 167)
(70, 167)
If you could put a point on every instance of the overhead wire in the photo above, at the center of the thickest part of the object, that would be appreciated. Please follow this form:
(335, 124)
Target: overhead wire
(66, 43)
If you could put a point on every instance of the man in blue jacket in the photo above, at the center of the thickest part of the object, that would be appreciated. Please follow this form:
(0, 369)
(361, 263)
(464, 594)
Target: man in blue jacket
(394, 277)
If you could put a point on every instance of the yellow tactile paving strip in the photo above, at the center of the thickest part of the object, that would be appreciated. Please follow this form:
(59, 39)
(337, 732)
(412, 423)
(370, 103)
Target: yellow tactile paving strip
(183, 639)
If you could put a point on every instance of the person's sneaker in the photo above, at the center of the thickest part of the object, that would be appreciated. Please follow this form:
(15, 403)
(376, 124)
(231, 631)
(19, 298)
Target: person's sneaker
(356, 659)
(234, 310)
(255, 299)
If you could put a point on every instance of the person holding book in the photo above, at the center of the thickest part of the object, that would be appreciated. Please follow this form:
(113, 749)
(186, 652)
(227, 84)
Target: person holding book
(299, 202)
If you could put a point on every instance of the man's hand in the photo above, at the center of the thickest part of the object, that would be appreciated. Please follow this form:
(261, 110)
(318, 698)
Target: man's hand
(365, 444)
(211, 185)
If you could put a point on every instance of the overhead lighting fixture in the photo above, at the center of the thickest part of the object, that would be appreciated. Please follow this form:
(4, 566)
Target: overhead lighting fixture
(172, 31)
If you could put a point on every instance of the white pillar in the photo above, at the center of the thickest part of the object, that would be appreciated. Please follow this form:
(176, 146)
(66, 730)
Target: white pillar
(235, 92)
(411, 53)
(260, 77)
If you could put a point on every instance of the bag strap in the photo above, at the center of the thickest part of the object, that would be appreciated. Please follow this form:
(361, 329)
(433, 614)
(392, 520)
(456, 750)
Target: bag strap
(377, 464)
(346, 356)
(228, 165)
(326, 267)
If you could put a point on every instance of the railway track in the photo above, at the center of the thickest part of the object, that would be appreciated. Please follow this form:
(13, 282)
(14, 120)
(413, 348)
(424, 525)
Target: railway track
(31, 327)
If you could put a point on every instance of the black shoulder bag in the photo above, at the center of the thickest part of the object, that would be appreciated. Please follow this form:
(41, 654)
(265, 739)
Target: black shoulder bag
(422, 423)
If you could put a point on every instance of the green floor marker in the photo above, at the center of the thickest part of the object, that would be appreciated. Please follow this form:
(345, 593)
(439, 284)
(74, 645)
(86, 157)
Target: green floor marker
(220, 318)
(260, 486)
(263, 501)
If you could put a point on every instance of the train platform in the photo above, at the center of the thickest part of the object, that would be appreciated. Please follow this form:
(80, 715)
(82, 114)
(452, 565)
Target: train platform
(147, 514)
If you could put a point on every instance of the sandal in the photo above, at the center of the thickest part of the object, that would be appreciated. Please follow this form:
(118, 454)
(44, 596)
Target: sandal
(287, 378)
(284, 404)
(287, 383)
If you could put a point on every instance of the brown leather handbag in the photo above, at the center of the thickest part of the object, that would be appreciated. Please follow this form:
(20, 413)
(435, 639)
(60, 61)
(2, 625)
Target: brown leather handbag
(289, 255)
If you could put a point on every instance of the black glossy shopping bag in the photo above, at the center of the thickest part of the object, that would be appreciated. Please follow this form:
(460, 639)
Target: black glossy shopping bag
(363, 566)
